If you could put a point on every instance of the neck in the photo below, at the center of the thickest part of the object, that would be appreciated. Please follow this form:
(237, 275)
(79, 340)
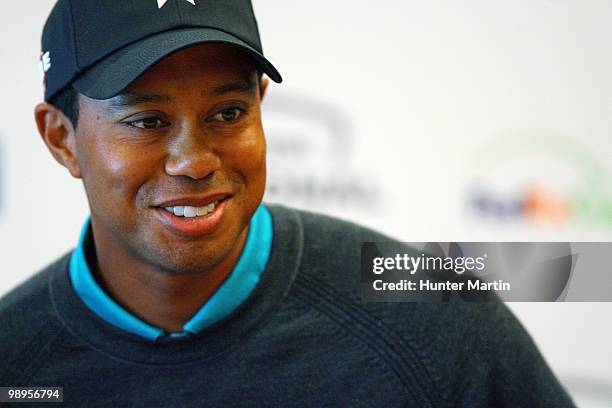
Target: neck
(162, 299)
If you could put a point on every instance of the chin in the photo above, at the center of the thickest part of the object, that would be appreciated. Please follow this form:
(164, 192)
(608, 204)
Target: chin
(180, 264)
(190, 258)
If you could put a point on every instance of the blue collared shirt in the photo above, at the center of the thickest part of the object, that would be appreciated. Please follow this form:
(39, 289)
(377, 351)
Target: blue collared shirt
(229, 296)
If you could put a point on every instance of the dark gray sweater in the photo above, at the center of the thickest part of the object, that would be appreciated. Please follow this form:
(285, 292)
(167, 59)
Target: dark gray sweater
(303, 338)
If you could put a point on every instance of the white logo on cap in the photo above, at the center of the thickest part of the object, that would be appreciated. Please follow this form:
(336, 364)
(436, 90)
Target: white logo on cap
(45, 65)
(160, 3)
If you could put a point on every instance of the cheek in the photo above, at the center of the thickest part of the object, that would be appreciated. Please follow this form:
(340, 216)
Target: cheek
(115, 174)
(127, 170)
(249, 155)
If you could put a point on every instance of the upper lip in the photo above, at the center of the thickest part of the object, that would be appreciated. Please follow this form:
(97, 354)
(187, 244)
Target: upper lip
(194, 201)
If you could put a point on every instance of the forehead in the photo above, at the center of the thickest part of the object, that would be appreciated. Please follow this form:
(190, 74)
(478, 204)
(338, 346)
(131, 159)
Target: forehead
(204, 64)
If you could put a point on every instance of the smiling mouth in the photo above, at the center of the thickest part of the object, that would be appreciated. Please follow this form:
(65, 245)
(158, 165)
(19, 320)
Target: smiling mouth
(192, 212)
(193, 207)
(200, 218)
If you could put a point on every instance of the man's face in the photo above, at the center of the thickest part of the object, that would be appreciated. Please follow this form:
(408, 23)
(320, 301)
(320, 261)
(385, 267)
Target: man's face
(186, 134)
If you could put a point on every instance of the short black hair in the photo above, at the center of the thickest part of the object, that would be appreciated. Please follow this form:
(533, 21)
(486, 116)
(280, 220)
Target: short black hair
(67, 101)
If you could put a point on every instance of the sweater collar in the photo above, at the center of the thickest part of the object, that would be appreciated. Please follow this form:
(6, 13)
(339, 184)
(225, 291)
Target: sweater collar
(274, 286)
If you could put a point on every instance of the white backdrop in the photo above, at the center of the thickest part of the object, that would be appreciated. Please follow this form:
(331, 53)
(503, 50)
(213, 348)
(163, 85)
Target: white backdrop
(427, 120)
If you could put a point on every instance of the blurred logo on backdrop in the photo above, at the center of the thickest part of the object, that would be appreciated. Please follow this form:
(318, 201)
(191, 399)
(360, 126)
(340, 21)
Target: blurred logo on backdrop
(540, 177)
(311, 161)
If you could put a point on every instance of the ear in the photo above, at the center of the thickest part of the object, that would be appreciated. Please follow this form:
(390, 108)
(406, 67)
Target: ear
(58, 134)
(264, 85)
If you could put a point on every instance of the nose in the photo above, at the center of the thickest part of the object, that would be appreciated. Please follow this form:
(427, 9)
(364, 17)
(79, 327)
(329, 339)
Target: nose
(192, 155)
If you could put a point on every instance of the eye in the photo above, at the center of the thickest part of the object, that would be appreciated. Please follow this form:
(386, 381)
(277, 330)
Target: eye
(148, 123)
(228, 115)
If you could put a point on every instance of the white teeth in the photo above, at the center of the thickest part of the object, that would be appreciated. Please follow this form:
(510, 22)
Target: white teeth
(190, 212)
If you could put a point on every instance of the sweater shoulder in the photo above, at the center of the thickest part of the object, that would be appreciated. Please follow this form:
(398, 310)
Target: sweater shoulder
(32, 294)
(27, 319)
(458, 346)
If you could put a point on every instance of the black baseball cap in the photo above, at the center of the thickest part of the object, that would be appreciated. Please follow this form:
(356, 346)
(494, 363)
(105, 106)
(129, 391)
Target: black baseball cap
(101, 46)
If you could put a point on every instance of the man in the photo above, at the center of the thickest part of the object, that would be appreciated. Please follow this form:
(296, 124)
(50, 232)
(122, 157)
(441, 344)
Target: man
(186, 290)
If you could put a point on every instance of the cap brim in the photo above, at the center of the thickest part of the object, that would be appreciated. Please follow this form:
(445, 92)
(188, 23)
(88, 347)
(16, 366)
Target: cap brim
(116, 72)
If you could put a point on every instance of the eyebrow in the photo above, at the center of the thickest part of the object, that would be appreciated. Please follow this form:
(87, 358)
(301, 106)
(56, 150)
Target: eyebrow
(244, 85)
(127, 100)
